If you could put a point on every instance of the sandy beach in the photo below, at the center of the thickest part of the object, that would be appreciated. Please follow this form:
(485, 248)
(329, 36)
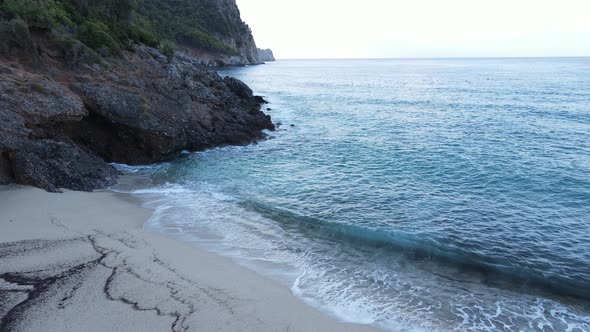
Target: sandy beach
(80, 261)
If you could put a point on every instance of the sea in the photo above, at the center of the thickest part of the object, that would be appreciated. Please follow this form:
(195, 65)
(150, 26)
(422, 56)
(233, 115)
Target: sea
(407, 194)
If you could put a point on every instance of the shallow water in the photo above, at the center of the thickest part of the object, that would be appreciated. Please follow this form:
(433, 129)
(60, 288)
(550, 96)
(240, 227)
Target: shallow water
(410, 194)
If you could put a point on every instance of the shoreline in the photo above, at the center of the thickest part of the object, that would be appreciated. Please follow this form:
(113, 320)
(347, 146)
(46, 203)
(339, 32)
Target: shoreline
(80, 260)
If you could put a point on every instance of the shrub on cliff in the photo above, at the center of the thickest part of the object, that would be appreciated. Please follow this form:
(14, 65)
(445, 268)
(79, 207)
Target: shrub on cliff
(104, 24)
(14, 35)
(204, 40)
(113, 24)
(97, 35)
(40, 13)
(20, 32)
(142, 31)
(168, 48)
(194, 22)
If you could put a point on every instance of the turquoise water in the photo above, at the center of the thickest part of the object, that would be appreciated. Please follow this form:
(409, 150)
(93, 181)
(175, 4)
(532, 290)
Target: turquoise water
(409, 194)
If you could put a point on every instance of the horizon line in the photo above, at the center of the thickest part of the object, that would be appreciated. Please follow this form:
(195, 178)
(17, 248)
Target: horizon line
(448, 58)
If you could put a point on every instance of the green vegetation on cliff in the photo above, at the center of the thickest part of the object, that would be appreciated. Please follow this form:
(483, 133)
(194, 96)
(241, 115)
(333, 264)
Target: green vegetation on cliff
(189, 21)
(115, 24)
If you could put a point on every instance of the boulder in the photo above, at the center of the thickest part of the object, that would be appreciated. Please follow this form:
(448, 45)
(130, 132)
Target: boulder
(52, 165)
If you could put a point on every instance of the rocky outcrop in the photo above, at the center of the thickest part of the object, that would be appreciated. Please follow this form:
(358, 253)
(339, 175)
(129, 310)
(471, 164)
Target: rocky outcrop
(63, 120)
(33, 151)
(266, 55)
(212, 30)
(240, 37)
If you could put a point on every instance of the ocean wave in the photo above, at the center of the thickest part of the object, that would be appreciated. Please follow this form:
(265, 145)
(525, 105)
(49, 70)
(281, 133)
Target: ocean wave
(271, 240)
(412, 247)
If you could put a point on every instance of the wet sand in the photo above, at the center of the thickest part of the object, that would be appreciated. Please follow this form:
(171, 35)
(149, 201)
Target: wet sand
(82, 262)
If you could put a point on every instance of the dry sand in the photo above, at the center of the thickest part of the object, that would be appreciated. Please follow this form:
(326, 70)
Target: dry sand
(82, 262)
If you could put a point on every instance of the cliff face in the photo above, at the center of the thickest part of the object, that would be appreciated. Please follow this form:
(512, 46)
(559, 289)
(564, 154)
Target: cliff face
(240, 37)
(209, 29)
(66, 111)
(220, 20)
(266, 55)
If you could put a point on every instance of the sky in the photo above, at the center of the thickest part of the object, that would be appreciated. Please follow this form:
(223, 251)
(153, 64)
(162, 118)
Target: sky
(316, 29)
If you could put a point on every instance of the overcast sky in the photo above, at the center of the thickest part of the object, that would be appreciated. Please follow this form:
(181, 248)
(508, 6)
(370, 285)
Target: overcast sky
(419, 28)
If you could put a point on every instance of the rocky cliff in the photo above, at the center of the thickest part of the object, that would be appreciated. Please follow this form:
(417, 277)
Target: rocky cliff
(211, 30)
(237, 36)
(266, 55)
(66, 112)
(240, 37)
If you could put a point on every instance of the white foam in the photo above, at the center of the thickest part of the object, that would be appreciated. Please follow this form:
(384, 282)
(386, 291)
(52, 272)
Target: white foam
(135, 169)
(215, 220)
